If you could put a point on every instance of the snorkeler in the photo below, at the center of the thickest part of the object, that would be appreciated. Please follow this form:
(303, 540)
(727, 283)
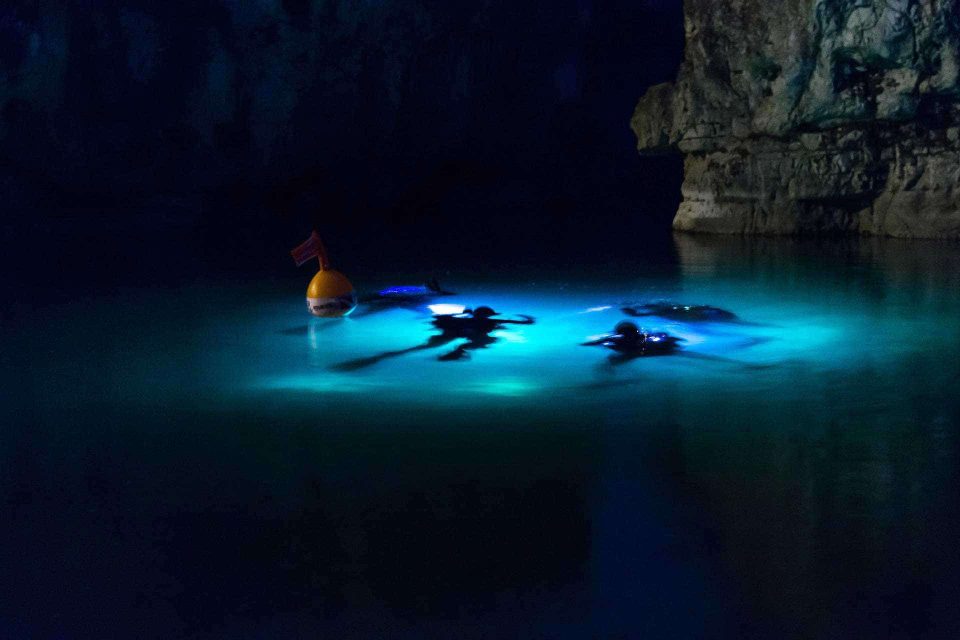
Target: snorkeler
(472, 325)
(631, 342)
(688, 313)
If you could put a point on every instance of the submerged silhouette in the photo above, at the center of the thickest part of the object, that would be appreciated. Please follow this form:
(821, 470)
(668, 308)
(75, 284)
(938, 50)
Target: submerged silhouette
(630, 342)
(473, 326)
(402, 297)
(688, 313)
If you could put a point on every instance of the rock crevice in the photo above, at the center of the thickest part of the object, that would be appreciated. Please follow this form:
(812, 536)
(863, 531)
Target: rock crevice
(814, 116)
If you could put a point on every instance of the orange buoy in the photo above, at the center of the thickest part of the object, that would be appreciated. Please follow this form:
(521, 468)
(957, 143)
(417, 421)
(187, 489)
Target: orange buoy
(329, 294)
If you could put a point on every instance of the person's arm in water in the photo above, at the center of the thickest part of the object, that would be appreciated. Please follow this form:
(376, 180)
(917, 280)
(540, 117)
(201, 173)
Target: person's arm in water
(526, 320)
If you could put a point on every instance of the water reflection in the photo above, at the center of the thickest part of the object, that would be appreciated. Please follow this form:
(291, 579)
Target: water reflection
(203, 470)
(832, 507)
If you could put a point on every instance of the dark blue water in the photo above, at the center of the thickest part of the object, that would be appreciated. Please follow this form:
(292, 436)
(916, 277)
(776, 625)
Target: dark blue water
(188, 462)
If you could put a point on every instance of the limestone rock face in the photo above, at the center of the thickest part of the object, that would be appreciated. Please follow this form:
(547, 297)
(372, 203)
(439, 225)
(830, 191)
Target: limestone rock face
(814, 116)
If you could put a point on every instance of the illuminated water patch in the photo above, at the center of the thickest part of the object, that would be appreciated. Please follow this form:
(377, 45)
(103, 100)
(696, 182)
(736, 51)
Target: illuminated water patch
(316, 383)
(446, 309)
(505, 387)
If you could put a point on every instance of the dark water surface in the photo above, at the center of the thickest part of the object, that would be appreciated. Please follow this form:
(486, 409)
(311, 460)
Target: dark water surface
(184, 462)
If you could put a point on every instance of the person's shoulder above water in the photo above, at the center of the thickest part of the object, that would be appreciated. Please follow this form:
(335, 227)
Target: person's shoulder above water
(629, 338)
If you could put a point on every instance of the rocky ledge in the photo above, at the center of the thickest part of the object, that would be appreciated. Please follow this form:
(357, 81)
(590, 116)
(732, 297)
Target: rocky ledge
(814, 116)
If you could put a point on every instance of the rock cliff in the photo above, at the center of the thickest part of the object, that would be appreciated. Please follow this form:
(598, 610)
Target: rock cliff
(814, 116)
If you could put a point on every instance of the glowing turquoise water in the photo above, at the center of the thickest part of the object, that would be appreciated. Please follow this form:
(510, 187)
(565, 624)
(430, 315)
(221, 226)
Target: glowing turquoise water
(193, 450)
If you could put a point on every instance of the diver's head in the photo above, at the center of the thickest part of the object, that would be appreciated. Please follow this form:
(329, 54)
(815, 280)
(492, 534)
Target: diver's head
(483, 312)
(627, 329)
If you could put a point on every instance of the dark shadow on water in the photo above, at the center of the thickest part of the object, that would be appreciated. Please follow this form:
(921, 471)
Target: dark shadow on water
(473, 330)
(746, 366)
(620, 359)
(613, 362)
(357, 364)
(680, 311)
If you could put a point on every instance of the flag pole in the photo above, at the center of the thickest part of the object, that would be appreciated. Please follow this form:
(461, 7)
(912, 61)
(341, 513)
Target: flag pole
(321, 252)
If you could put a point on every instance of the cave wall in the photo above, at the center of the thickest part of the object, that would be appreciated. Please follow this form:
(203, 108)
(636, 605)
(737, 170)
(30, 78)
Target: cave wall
(364, 103)
(130, 96)
(814, 116)
(200, 131)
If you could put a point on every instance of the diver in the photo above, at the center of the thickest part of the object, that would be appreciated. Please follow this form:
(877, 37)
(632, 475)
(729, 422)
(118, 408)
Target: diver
(474, 326)
(687, 313)
(629, 342)
(402, 297)
(428, 290)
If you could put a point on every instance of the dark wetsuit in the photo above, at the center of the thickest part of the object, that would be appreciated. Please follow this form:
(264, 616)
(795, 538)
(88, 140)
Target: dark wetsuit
(688, 313)
(639, 344)
(630, 342)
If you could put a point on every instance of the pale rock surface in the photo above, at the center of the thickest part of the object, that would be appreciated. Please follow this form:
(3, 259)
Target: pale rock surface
(814, 116)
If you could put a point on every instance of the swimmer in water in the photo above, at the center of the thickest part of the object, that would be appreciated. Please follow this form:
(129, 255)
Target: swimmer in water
(630, 342)
(686, 313)
(430, 289)
(402, 297)
(472, 325)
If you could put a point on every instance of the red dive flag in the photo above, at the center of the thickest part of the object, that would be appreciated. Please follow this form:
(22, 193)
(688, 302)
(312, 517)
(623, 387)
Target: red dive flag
(312, 248)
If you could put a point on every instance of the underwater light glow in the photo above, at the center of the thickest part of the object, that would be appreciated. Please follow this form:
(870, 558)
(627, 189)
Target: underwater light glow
(511, 336)
(401, 291)
(446, 309)
(596, 309)
(689, 337)
(314, 384)
(511, 388)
